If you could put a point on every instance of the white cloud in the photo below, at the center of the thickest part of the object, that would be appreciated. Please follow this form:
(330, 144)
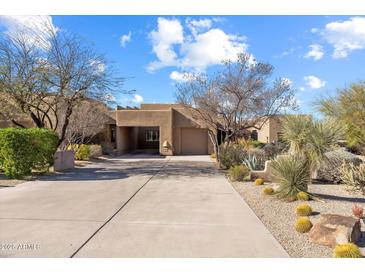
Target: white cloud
(125, 38)
(314, 30)
(168, 34)
(210, 48)
(205, 46)
(197, 26)
(180, 76)
(34, 28)
(314, 82)
(316, 52)
(137, 99)
(345, 36)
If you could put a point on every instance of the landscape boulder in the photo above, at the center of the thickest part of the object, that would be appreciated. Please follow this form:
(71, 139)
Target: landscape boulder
(332, 229)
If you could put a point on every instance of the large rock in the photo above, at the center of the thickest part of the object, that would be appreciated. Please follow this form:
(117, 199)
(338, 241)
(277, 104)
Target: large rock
(332, 229)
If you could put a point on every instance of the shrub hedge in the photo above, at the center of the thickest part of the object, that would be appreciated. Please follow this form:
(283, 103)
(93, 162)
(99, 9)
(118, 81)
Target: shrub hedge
(22, 150)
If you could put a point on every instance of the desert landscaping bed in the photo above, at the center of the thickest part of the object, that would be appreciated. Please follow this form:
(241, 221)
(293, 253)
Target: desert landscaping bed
(279, 216)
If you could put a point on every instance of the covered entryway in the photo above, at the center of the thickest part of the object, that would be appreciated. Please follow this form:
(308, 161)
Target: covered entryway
(194, 141)
(138, 139)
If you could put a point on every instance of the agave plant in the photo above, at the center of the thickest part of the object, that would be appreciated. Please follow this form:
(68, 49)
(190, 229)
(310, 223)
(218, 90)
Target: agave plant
(293, 175)
(251, 162)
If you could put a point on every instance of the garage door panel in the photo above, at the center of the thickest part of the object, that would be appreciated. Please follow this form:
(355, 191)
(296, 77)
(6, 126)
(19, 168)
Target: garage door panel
(194, 141)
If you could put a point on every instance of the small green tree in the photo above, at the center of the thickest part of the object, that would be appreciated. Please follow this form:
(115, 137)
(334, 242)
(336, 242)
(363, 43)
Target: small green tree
(348, 109)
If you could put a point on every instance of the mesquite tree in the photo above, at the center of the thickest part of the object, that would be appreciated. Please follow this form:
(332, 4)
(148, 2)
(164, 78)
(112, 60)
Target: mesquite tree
(239, 97)
(47, 79)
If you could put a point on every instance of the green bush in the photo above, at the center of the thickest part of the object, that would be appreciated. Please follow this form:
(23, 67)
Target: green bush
(22, 150)
(231, 155)
(238, 173)
(82, 152)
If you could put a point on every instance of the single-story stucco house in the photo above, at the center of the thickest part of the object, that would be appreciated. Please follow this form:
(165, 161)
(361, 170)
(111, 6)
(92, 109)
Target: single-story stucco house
(170, 130)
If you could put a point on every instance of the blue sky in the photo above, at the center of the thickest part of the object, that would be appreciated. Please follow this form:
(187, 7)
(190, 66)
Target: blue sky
(318, 54)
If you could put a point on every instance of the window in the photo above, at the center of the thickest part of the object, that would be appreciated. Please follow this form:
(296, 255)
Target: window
(152, 136)
(113, 135)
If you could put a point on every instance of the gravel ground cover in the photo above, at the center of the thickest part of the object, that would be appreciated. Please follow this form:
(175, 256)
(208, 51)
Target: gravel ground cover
(279, 216)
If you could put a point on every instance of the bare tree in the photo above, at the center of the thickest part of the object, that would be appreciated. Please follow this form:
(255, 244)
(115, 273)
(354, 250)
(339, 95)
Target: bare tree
(94, 116)
(48, 79)
(239, 97)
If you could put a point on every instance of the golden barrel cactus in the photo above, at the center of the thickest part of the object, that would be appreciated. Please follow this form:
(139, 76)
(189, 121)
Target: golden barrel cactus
(268, 191)
(303, 225)
(303, 210)
(349, 250)
(259, 182)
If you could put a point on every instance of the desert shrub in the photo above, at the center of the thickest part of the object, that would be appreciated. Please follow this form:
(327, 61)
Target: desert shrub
(303, 196)
(95, 151)
(268, 191)
(231, 154)
(303, 225)
(238, 172)
(82, 152)
(353, 176)
(272, 150)
(303, 210)
(259, 182)
(254, 143)
(348, 250)
(293, 175)
(249, 143)
(329, 169)
(22, 150)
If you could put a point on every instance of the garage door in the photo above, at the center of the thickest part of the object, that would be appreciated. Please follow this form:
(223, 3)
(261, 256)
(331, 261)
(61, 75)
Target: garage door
(194, 141)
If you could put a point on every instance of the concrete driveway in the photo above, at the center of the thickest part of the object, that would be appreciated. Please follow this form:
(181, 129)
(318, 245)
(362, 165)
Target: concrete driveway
(178, 206)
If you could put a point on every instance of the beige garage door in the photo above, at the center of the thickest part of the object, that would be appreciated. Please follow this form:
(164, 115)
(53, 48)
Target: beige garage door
(194, 141)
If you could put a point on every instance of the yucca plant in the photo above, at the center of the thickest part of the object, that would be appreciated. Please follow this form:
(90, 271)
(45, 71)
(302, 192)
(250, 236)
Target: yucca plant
(293, 175)
(310, 140)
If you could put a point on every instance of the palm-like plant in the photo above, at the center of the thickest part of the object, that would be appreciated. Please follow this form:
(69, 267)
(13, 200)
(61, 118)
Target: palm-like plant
(309, 141)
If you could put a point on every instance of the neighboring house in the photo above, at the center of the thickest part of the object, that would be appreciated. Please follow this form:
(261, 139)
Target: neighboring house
(269, 132)
(170, 130)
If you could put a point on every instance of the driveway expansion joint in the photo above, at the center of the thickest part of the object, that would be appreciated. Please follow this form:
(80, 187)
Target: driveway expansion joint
(120, 208)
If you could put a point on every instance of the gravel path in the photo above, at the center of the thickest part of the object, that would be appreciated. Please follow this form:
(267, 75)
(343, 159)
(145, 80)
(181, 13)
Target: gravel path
(279, 216)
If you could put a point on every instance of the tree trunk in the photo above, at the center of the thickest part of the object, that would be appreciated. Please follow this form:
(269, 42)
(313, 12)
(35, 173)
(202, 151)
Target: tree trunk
(37, 121)
(68, 113)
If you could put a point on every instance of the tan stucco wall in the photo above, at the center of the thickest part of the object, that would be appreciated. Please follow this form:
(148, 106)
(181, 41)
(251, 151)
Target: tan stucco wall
(126, 139)
(169, 118)
(269, 131)
(149, 118)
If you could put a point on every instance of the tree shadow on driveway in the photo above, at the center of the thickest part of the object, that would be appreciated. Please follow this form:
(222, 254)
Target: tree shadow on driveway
(114, 170)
